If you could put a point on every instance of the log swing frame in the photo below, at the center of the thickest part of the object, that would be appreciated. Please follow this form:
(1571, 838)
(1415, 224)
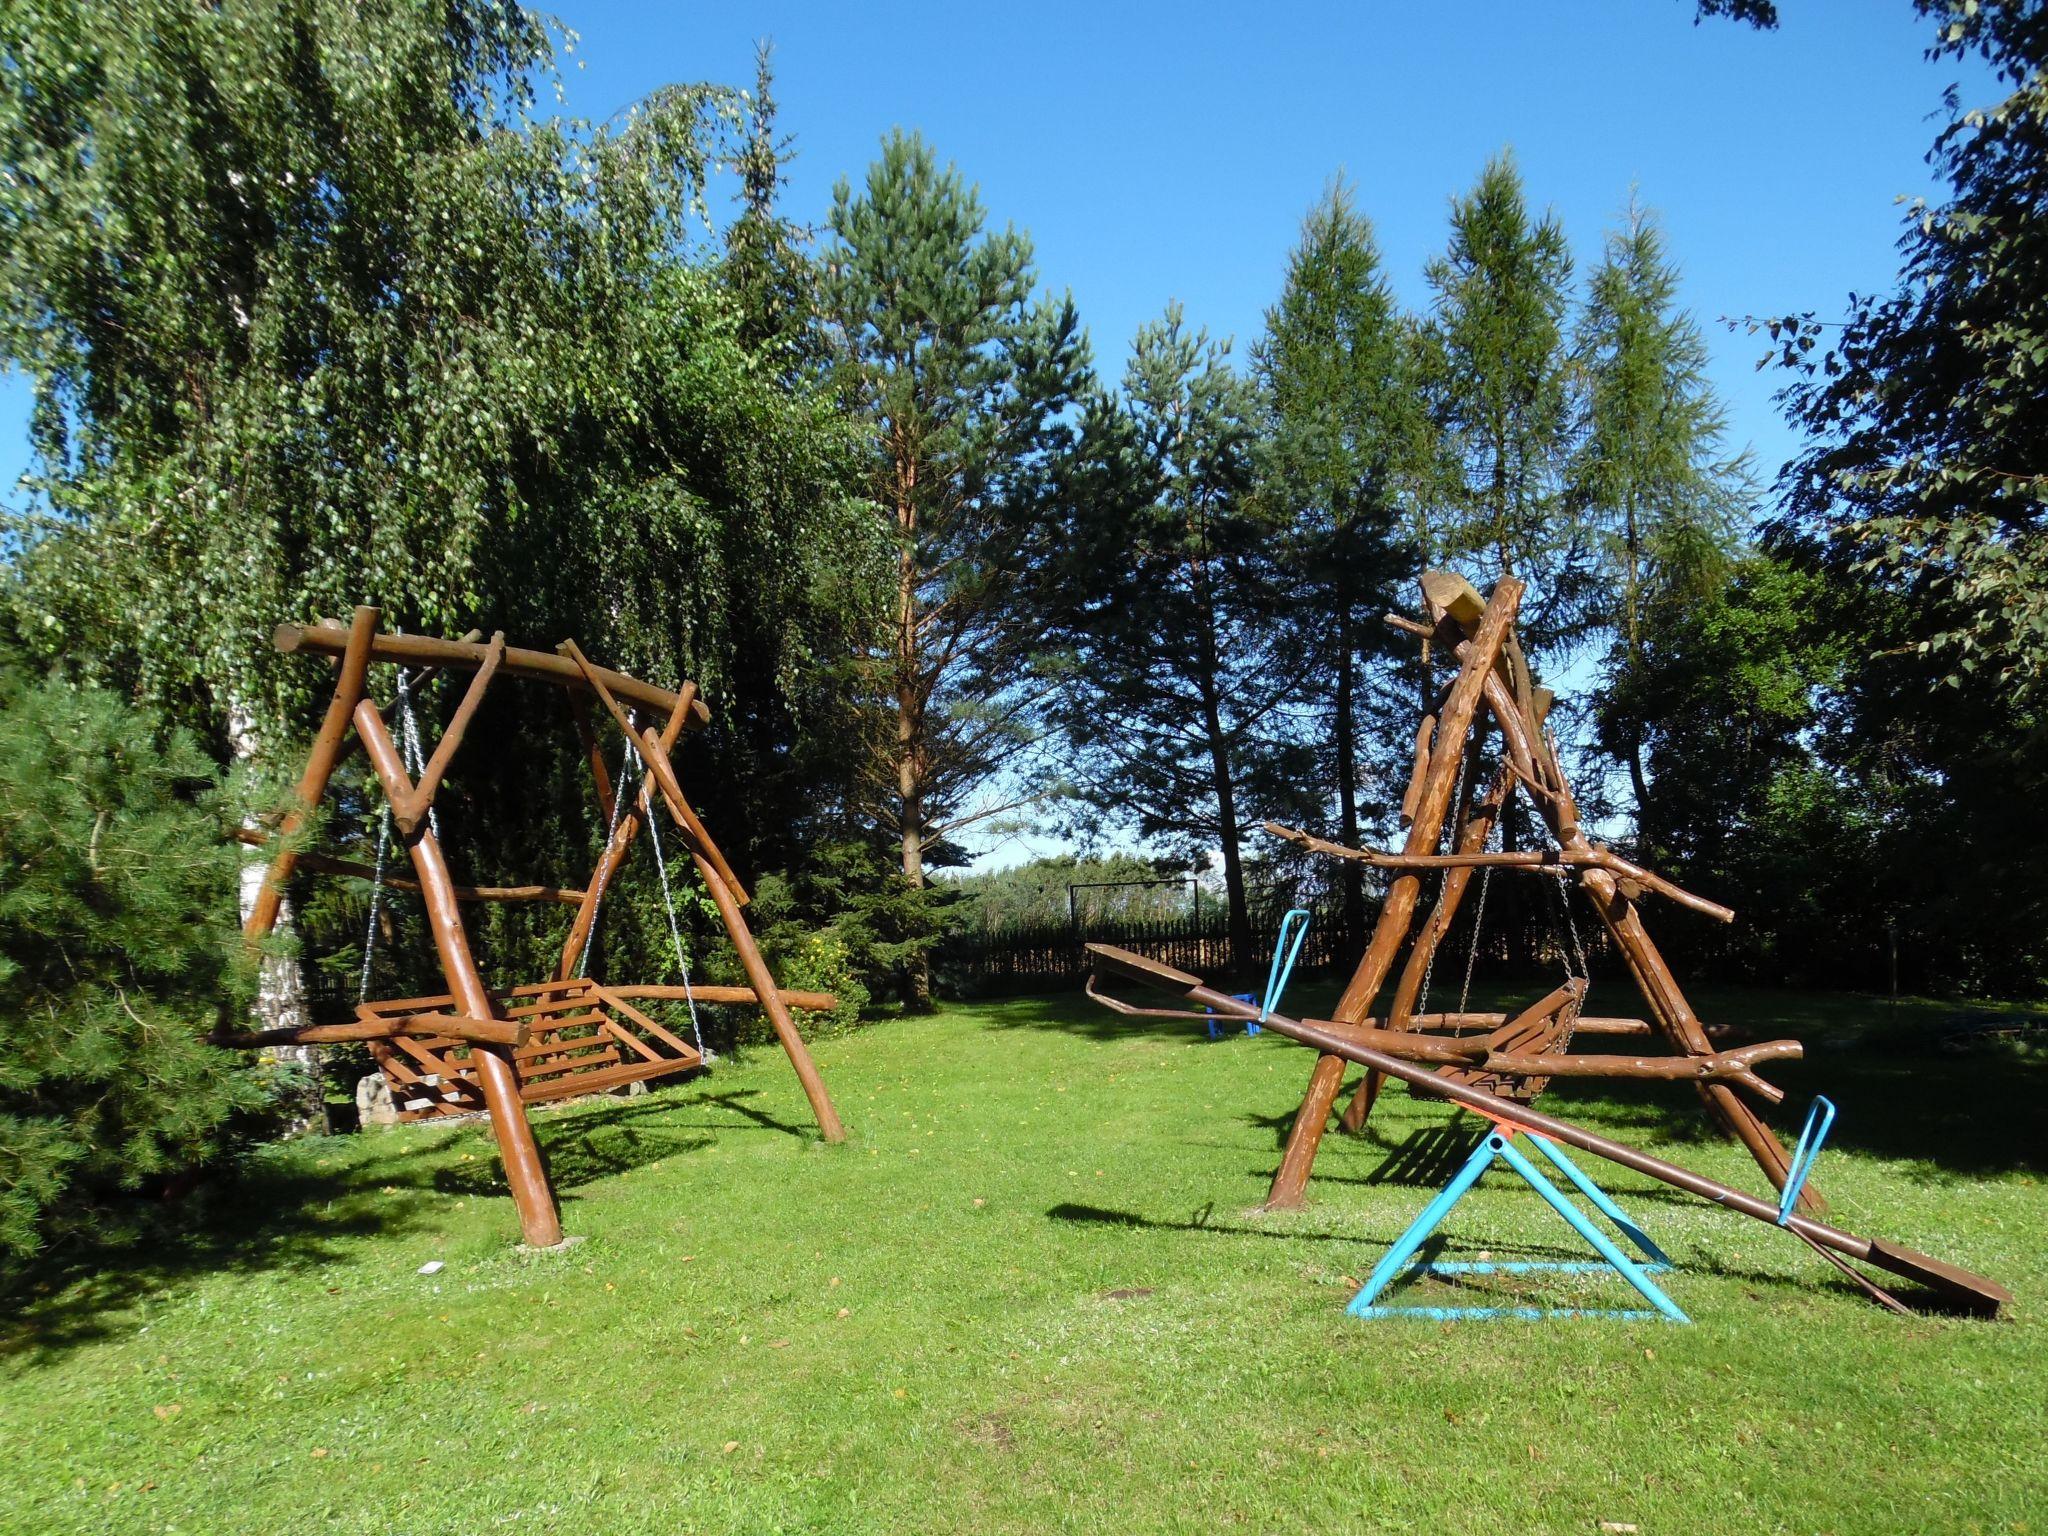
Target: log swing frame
(501, 1050)
(1494, 687)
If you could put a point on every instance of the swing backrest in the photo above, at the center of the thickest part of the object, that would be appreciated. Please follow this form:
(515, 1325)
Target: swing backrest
(1540, 1029)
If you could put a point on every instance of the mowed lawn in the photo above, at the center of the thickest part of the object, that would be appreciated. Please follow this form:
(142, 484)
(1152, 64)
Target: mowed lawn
(1032, 1294)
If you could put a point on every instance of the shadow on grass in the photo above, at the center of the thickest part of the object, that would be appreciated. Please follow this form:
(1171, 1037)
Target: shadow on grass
(265, 1218)
(1899, 1093)
(285, 1214)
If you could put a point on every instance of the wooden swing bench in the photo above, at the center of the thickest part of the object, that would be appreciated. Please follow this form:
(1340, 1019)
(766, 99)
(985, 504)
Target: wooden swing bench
(576, 1037)
(498, 1050)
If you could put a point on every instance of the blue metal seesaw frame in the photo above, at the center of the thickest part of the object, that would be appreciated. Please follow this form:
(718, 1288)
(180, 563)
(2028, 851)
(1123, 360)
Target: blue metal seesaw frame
(1498, 1144)
(1277, 975)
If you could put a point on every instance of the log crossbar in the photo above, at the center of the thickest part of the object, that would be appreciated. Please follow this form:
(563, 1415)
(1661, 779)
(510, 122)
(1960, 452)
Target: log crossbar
(468, 656)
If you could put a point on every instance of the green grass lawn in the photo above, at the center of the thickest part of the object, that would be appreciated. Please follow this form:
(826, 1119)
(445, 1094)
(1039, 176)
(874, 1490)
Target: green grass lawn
(1031, 1294)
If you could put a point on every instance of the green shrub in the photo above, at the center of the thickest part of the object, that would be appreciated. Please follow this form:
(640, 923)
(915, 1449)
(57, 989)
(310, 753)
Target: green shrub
(118, 954)
(821, 962)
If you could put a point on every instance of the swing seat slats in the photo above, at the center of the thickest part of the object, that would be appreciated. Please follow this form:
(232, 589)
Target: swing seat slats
(580, 1039)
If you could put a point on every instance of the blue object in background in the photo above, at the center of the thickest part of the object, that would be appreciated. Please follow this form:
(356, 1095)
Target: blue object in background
(1216, 1030)
(1276, 977)
(1821, 1114)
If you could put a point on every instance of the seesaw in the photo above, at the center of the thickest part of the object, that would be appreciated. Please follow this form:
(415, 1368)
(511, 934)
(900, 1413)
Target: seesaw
(1952, 1284)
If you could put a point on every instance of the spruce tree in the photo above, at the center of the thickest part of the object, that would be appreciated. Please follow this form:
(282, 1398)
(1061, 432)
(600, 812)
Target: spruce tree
(1183, 656)
(1343, 433)
(965, 378)
(118, 956)
(1496, 366)
(1665, 503)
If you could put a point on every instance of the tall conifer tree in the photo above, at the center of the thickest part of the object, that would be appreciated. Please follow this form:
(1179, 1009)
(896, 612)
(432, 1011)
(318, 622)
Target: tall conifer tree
(1496, 360)
(1182, 659)
(1665, 502)
(1343, 431)
(966, 377)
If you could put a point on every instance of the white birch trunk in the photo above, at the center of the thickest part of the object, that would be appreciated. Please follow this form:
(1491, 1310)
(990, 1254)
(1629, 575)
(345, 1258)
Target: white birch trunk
(281, 987)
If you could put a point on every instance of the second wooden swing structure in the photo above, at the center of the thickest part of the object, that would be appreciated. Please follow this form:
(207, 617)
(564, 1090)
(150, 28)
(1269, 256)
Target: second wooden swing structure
(1511, 1058)
(502, 1049)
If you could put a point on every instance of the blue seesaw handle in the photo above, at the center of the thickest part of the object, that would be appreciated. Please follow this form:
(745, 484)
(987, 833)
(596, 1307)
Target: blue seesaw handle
(1276, 978)
(1818, 1119)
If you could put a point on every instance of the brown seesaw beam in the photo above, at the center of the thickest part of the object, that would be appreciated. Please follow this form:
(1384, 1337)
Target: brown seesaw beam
(1969, 1291)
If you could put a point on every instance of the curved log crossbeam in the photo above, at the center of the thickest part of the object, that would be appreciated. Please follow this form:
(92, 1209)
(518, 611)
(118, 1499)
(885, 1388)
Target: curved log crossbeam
(468, 656)
(1538, 859)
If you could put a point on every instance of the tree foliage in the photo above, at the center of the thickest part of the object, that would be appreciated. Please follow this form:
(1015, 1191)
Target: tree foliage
(1666, 507)
(1496, 361)
(1930, 466)
(1178, 679)
(966, 377)
(1345, 436)
(118, 955)
(320, 309)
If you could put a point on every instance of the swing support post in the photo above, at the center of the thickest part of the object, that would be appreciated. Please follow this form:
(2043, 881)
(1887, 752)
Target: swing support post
(1439, 779)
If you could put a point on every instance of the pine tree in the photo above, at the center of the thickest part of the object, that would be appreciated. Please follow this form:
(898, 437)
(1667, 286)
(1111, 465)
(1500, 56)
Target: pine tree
(1182, 656)
(966, 380)
(1666, 505)
(117, 957)
(1343, 427)
(1496, 367)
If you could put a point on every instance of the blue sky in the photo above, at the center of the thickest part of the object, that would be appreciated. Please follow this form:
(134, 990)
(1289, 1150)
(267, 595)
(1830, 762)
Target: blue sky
(1160, 152)
(1168, 151)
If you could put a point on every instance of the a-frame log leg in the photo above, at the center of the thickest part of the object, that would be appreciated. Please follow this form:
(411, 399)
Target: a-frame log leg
(725, 894)
(1472, 835)
(763, 982)
(627, 828)
(1674, 1015)
(1397, 911)
(715, 872)
(525, 1173)
(320, 761)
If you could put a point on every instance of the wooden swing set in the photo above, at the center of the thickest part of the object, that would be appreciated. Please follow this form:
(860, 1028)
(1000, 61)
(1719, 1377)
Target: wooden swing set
(500, 1050)
(1496, 1064)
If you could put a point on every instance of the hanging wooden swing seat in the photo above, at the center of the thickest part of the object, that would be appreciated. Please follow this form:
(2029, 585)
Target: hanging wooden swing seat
(576, 1037)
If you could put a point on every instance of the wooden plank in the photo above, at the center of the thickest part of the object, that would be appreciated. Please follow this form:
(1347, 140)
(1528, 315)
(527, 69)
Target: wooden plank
(620, 1005)
(598, 1082)
(534, 1073)
(818, 1002)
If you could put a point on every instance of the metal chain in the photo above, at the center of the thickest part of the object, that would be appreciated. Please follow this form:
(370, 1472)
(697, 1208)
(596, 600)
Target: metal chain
(668, 902)
(1478, 927)
(627, 764)
(409, 733)
(376, 905)
(1443, 881)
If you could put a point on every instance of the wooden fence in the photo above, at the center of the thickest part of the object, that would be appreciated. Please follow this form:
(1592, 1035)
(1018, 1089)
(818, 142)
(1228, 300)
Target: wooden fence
(1047, 957)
